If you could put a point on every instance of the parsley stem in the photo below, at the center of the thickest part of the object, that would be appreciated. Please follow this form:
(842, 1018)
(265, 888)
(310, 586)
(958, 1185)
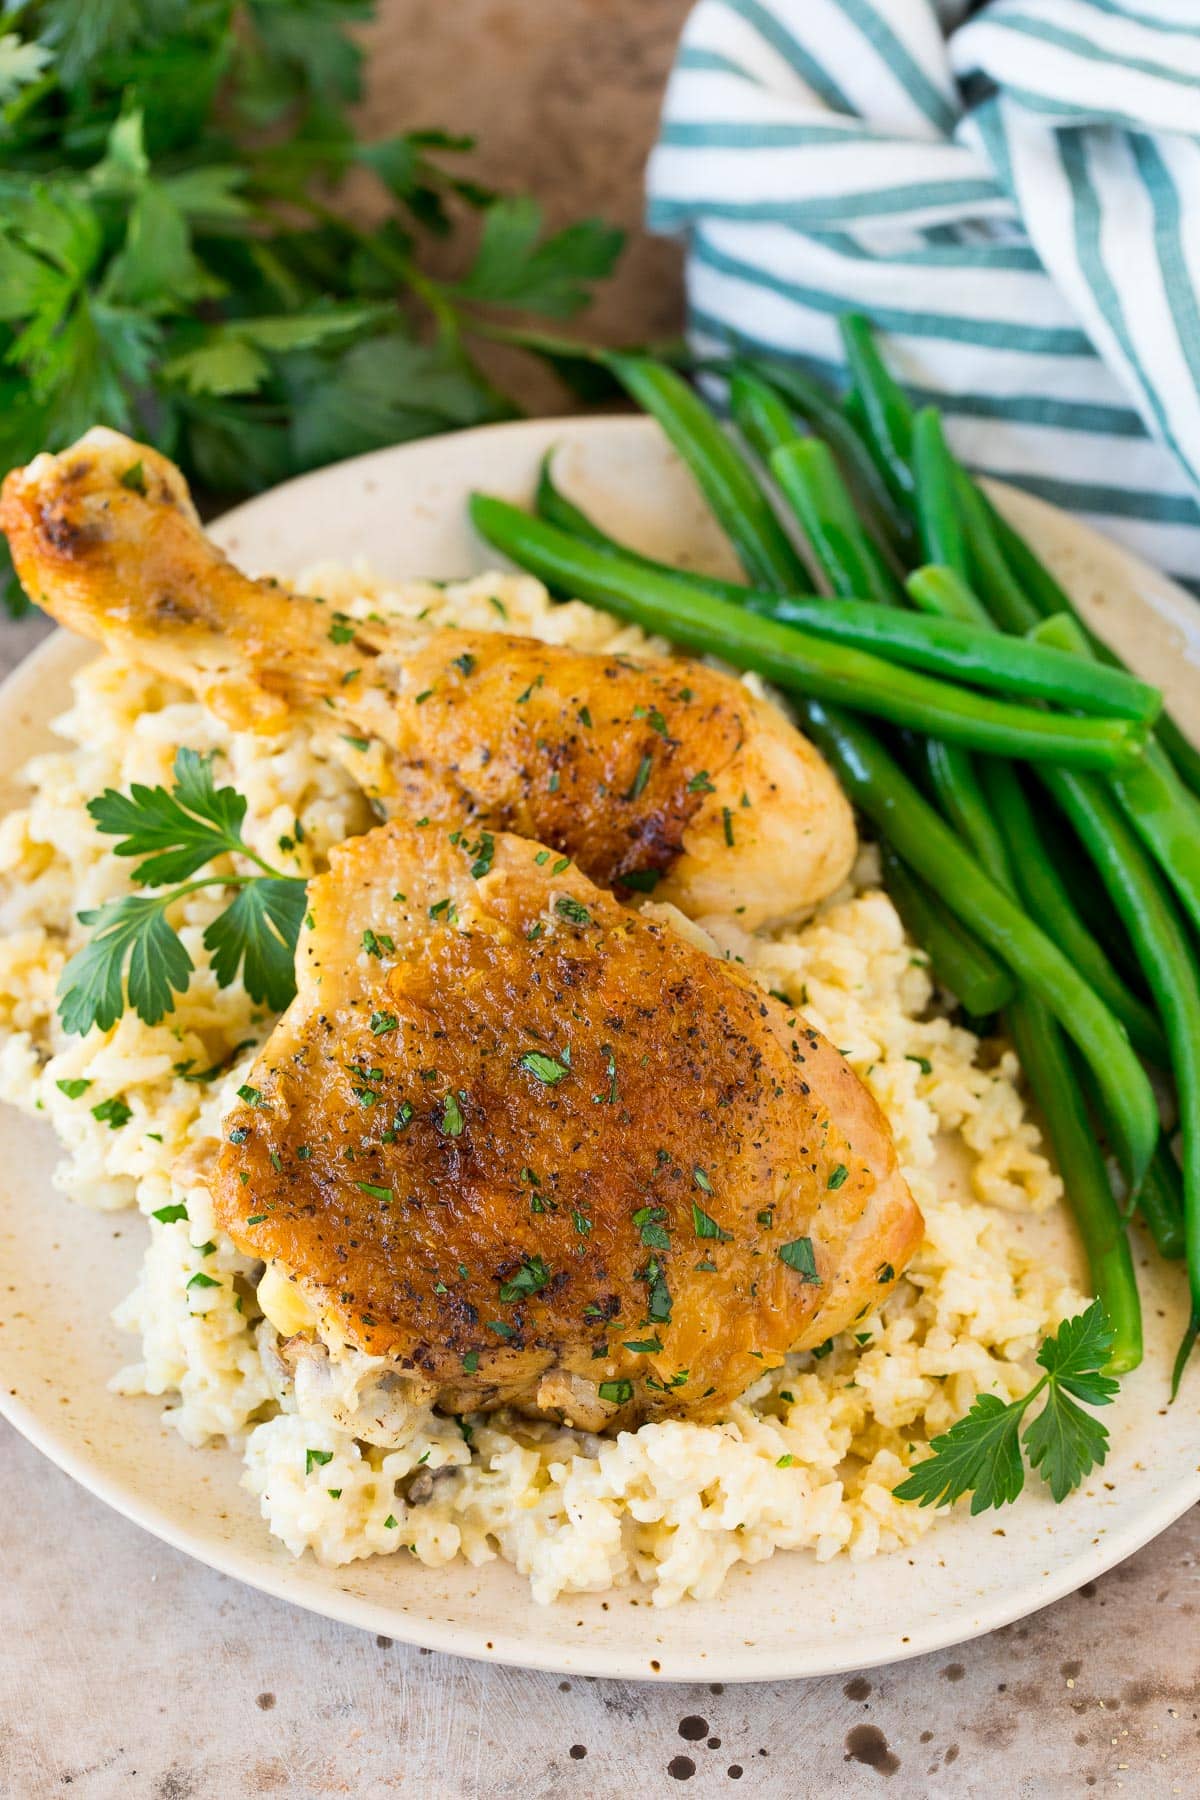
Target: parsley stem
(266, 867)
(169, 896)
(391, 259)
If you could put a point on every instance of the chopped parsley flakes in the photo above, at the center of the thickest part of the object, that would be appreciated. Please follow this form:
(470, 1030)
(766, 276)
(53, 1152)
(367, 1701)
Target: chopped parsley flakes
(530, 1278)
(545, 1069)
(798, 1255)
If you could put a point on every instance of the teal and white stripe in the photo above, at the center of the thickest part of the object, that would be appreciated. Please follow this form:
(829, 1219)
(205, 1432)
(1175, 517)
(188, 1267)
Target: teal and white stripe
(1011, 190)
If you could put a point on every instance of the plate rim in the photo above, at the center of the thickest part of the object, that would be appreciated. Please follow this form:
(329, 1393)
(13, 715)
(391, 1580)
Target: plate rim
(522, 1648)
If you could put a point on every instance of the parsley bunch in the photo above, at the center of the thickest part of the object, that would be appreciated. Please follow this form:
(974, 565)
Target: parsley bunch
(981, 1454)
(135, 956)
(174, 259)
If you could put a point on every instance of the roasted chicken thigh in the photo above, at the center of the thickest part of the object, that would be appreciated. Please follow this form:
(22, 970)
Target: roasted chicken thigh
(537, 1149)
(648, 771)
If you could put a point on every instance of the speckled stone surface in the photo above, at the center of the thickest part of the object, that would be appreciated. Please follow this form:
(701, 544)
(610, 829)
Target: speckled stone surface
(128, 1669)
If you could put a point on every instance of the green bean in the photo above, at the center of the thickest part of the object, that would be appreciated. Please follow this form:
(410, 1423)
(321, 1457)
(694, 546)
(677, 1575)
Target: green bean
(1039, 585)
(1144, 902)
(700, 622)
(1161, 1203)
(1160, 807)
(764, 548)
(917, 833)
(1046, 899)
(955, 783)
(1049, 596)
(553, 506)
(1186, 1345)
(809, 480)
(936, 474)
(891, 433)
(1049, 1069)
(978, 655)
(1090, 898)
(1164, 814)
(822, 415)
(960, 962)
(1182, 752)
(944, 594)
(1047, 1064)
(885, 412)
(940, 591)
(992, 578)
(760, 413)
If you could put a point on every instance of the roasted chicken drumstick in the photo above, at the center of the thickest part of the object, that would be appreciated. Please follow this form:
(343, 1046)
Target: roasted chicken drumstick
(537, 1149)
(658, 769)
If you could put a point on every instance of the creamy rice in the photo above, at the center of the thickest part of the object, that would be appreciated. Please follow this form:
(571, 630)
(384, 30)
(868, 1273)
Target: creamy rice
(806, 1460)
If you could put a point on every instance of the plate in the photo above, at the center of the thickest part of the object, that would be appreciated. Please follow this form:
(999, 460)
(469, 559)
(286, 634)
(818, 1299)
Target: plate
(63, 1268)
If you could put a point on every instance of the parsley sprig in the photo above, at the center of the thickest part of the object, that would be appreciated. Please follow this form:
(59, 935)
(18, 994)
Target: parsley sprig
(981, 1454)
(135, 957)
(176, 259)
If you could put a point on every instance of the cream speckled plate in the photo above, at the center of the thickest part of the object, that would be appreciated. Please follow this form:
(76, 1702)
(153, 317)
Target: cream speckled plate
(62, 1268)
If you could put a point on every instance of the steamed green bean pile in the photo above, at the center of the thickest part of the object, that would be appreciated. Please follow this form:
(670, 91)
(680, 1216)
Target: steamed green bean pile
(996, 748)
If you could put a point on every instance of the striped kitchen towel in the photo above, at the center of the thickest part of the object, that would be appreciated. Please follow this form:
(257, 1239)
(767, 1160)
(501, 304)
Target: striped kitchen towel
(1010, 190)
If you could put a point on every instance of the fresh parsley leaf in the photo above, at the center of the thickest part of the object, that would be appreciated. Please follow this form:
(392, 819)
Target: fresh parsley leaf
(179, 830)
(235, 358)
(616, 1392)
(134, 955)
(1075, 1356)
(258, 932)
(175, 253)
(131, 945)
(20, 65)
(516, 266)
(1063, 1442)
(981, 1453)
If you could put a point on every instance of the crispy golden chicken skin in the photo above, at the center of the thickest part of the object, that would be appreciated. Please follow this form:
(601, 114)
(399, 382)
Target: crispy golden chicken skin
(541, 1150)
(660, 769)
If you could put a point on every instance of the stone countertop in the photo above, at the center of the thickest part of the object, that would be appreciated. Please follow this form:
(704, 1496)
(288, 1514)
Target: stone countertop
(128, 1669)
